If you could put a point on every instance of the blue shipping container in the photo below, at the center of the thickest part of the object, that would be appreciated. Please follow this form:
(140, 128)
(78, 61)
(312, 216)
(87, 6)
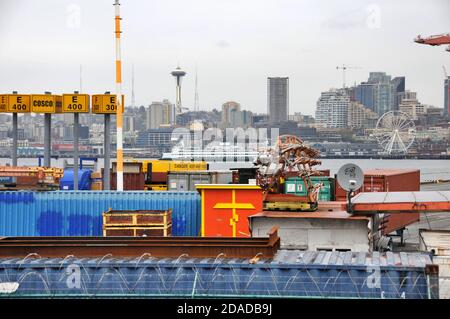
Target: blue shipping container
(79, 213)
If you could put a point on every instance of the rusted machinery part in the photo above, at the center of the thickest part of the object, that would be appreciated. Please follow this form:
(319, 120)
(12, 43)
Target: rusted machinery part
(306, 161)
(299, 150)
(198, 247)
(288, 139)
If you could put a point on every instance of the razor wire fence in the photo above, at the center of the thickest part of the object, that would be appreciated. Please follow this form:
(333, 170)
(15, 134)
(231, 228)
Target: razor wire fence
(195, 281)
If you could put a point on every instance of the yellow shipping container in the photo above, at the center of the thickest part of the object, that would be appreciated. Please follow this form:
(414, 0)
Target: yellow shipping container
(164, 166)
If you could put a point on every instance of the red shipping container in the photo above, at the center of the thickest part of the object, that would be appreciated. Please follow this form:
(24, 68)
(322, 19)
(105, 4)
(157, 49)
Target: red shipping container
(226, 208)
(388, 180)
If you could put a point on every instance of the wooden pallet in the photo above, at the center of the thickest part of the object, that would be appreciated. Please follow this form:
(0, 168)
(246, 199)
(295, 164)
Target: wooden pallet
(157, 231)
(137, 223)
(123, 218)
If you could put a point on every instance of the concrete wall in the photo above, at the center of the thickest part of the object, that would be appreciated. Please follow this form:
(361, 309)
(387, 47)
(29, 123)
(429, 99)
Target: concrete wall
(315, 234)
(444, 275)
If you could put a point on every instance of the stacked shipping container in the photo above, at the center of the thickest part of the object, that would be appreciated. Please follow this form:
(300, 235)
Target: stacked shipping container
(388, 180)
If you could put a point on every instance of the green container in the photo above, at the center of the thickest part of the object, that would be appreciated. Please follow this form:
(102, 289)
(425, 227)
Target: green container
(295, 186)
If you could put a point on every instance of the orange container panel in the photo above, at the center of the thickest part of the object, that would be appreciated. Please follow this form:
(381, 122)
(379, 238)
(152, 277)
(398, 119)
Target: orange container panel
(226, 208)
(389, 180)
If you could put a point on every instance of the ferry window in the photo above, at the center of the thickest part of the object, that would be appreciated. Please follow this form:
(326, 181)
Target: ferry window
(324, 249)
(342, 249)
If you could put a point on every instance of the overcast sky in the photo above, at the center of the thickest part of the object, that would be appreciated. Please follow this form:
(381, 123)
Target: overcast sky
(234, 44)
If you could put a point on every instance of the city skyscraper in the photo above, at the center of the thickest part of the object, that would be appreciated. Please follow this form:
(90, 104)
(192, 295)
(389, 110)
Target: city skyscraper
(380, 93)
(332, 109)
(227, 108)
(278, 99)
(398, 88)
(363, 93)
(160, 114)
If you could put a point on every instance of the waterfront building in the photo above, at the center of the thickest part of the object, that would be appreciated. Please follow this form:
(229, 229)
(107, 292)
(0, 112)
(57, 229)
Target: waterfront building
(278, 99)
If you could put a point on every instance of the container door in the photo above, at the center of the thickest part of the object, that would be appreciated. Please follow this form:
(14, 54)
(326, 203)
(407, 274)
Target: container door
(182, 184)
(149, 174)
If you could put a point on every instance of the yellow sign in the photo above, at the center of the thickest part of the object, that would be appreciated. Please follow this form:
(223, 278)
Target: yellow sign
(3, 103)
(75, 103)
(19, 103)
(46, 103)
(15, 103)
(105, 103)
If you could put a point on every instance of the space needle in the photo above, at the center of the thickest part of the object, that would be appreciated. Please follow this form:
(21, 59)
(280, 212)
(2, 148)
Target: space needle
(178, 74)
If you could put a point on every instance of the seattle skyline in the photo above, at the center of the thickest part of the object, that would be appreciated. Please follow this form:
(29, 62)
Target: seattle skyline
(302, 40)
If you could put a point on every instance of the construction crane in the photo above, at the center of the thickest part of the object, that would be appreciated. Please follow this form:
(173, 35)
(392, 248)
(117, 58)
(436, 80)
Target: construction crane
(433, 40)
(344, 68)
(42, 178)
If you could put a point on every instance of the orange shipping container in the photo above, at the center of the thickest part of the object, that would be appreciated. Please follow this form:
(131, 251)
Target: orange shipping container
(226, 208)
(389, 180)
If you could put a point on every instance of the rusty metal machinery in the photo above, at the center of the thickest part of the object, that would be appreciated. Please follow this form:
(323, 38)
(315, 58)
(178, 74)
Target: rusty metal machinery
(41, 177)
(290, 157)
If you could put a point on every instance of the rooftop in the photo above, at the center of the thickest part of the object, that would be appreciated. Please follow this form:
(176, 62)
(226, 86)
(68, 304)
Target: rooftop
(283, 257)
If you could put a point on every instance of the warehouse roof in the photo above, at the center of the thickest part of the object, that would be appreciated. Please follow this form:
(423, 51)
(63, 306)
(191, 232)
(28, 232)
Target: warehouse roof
(282, 258)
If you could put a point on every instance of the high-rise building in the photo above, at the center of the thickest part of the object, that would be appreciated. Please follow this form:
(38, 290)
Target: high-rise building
(278, 99)
(380, 93)
(227, 108)
(410, 105)
(363, 93)
(160, 114)
(128, 123)
(240, 119)
(447, 97)
(332, 109)
(398, 87)
(359, 116)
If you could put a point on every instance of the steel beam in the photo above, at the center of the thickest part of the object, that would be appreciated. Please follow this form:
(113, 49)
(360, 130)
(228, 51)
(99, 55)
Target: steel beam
(198, 247)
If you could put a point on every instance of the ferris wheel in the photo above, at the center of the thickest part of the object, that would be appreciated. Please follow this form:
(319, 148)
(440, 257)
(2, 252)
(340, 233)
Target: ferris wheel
(395, 132)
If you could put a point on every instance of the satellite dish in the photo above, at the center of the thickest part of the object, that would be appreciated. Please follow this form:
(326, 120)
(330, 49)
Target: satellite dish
(350, 177)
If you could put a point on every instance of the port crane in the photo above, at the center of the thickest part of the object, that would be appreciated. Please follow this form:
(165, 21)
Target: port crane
(41, 177)
(434, 40)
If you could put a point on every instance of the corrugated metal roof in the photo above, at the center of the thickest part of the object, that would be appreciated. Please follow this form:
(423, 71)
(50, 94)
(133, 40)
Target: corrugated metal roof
(282, 258)
(79, 213)
(401, 197)
(352, 258)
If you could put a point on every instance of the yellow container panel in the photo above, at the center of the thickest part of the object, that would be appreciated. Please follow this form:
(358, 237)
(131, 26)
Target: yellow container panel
(15, 103)
(105, 103)
(75, 103)
(46, 103)
(3, 103)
